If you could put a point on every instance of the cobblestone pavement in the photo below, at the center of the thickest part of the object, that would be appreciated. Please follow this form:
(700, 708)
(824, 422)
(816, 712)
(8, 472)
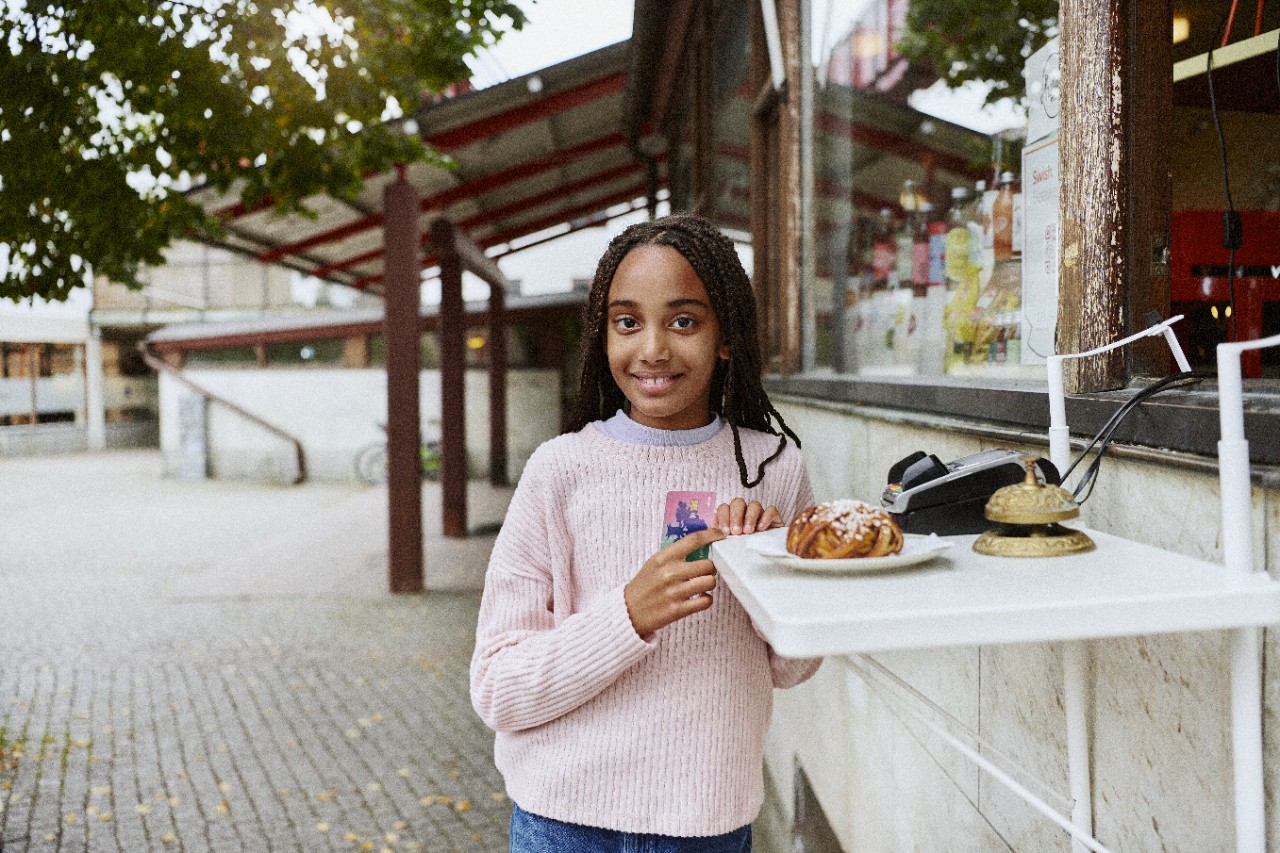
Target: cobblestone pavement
(133, 719)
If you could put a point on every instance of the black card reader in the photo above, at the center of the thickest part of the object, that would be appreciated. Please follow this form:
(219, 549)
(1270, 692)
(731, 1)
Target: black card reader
(927, 495)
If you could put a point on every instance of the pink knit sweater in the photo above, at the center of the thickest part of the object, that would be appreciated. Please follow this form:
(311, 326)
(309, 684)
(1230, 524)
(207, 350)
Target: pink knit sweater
(595, 724)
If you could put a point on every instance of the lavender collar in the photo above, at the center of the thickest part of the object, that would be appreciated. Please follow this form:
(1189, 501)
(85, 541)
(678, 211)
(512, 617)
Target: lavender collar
(620, 427)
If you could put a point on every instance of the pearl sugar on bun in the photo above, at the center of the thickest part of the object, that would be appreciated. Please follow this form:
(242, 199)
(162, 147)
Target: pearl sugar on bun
(843, 529)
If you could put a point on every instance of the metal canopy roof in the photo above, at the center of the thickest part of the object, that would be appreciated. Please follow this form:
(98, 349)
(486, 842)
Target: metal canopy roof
(308, 327)
(533, 153)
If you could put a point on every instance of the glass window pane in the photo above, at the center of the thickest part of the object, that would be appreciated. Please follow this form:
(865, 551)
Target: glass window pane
(917, 199)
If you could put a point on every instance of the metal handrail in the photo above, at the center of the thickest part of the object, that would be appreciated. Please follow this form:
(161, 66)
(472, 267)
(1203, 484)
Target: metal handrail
(161, 366)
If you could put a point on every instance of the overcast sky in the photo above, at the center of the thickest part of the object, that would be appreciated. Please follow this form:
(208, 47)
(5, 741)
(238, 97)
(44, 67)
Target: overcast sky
(557, 30)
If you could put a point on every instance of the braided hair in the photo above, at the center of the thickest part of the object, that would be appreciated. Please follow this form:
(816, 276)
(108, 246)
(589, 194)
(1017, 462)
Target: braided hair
(737, 389)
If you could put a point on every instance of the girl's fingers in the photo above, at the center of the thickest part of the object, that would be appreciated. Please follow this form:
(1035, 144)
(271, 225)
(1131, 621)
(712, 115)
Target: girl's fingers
(737, 514)
(741, 516)
(685, 546)
(700, 585)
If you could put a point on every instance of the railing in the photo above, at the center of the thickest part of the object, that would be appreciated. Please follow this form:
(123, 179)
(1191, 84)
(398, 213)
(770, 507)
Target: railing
(161, 366)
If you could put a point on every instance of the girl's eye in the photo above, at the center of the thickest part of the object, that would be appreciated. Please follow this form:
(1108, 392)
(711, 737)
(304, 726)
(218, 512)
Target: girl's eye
(684, 323)
(625, 324)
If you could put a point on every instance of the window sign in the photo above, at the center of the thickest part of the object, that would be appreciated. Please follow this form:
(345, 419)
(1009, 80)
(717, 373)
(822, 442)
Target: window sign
(1041, 228)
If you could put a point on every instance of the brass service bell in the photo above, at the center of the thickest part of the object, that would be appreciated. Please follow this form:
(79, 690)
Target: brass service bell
(1028, 514)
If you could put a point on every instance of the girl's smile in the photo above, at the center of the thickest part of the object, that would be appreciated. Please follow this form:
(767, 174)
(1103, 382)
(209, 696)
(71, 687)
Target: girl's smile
(663, 341)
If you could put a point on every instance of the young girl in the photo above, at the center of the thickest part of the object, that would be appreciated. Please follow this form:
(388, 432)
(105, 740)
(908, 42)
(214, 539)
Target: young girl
(630, 701)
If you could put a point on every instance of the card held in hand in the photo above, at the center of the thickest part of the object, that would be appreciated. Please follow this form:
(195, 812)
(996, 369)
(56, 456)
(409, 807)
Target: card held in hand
(685, 513)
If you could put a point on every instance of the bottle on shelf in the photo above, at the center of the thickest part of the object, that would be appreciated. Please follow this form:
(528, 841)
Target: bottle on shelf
(962, 261)
(931, 295)
(920, 222)
(904, 237)
(884, 249)
(1002, 227)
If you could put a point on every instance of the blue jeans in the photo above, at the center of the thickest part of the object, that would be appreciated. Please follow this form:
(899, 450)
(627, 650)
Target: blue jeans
(531, 833)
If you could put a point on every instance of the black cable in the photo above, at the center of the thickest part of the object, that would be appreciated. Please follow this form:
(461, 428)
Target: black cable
(1089, 478)
(1231, 231)
(1111, 423)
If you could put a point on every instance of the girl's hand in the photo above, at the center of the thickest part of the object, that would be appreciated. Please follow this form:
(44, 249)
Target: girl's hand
(667, 589)
(742, 517)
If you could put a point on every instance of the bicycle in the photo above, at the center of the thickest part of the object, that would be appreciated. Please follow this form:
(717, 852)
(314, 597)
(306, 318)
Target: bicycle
(371, 461)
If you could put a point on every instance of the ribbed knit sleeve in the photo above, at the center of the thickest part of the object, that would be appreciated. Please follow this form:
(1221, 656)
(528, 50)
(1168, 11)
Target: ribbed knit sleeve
(527, 669)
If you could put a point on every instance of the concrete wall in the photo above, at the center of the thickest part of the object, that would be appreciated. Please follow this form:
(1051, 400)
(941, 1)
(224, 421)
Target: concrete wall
(66, 437)
(336, 412)
(66, 393)
(1161, 726)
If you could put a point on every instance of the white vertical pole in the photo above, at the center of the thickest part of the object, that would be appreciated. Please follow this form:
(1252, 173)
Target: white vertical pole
(1059, 432)
(1246, 643)
(1246, 739)
(1078, 704)
(95, 405)
(1233, 463)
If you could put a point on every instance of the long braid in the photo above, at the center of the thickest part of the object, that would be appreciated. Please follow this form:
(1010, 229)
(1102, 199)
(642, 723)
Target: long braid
(737, 389)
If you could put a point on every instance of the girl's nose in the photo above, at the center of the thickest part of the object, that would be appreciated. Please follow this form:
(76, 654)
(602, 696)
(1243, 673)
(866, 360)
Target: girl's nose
(654, 345)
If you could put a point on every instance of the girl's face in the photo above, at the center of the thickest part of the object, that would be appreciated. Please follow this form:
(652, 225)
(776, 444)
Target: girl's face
(663, 340)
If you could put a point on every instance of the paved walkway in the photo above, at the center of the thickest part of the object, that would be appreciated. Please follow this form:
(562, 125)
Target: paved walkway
(214, 666)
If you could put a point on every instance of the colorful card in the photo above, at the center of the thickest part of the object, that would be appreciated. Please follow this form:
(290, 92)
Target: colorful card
(688, 512)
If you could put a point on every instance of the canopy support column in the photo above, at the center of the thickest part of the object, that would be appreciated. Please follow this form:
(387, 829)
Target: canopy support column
(453, 424)
(497, 386)
(402, 338)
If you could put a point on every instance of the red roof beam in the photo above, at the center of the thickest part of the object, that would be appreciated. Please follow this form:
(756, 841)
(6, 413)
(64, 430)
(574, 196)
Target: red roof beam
(552, 194)
(490, 215)
(627, 194)
(465, 134)
(463, 190)
(515, 117)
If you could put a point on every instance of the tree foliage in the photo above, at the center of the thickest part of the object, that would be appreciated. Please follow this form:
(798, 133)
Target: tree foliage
(110, 108)
(979, 40)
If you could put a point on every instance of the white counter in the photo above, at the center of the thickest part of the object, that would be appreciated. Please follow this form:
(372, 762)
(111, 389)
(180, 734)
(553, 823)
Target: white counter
(962, 598)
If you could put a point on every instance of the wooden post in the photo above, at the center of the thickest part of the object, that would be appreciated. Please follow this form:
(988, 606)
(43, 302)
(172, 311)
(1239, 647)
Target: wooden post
(497, 386)
(403, 355)
(453, 424)
(701, 169)
(34, 359)
(1095, 206)
(764, 123)
(789, 186)
(355, 352)
(1150, 180)
(473, 259)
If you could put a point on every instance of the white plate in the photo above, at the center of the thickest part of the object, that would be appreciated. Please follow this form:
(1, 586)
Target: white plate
(916, 548)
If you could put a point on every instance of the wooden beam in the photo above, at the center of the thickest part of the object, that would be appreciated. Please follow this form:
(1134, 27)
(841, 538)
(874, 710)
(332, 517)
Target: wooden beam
(788, 192)
(1150, 180)
(453, 423)
(404, 359)
(763, 175)
(497, 346)
(473, 259)
(1095, 207)
(355, 352)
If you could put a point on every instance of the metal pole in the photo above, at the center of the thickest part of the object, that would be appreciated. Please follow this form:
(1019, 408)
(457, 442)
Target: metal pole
(404, 355)
(1077, 666)
(497, 387)
(453, 425)
(95, 397)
